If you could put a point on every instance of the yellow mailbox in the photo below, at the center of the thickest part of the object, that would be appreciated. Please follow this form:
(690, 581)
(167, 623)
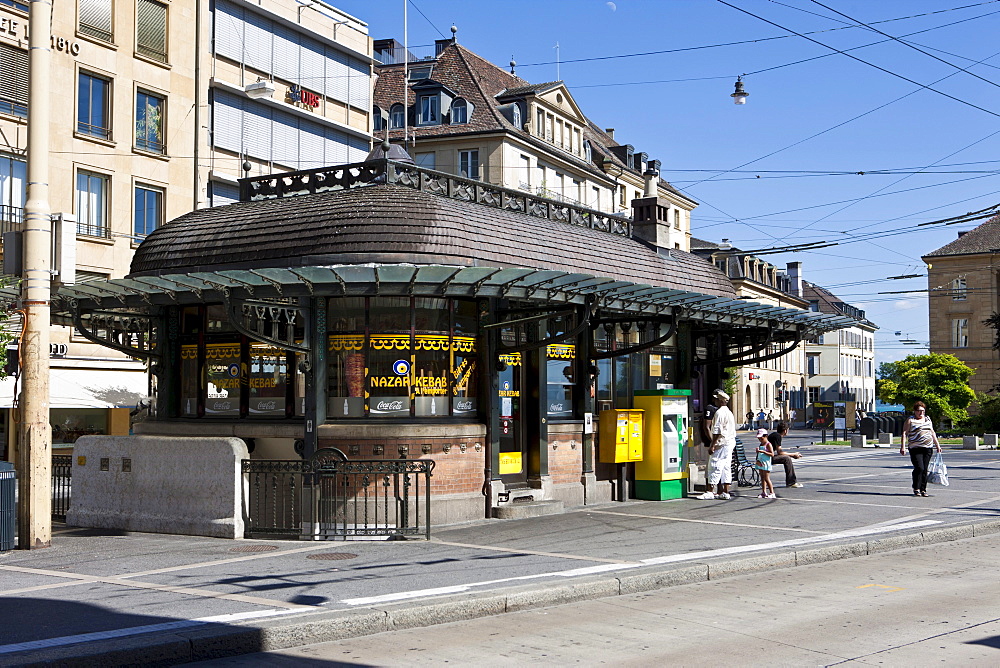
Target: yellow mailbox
(620, 436)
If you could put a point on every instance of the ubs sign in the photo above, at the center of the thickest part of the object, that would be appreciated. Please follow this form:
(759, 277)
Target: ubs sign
(303, 98)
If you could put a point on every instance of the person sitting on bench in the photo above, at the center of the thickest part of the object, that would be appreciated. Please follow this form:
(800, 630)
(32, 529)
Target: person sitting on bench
(782, 457)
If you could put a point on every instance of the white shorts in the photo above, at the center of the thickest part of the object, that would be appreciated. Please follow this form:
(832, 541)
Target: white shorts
(720, 465)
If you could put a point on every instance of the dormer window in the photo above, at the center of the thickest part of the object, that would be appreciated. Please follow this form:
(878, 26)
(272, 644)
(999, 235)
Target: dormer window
(587, 151)
(430, 110)
(397, 116)
(459, 112)
(516, 114)
(418, 73)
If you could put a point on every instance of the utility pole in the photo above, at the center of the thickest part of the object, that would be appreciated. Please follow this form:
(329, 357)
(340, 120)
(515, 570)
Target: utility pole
(34, 456)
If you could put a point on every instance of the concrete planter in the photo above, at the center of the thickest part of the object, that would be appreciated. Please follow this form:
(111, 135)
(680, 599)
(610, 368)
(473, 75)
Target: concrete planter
(970, 442)
(859, 441)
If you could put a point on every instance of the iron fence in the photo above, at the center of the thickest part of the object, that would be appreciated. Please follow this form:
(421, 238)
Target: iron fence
(62, 485)
(329, 498)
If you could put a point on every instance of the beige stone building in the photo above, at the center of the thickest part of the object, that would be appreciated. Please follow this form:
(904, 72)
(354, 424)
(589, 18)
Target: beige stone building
(153, 114)
(463, 115)
(964, 289)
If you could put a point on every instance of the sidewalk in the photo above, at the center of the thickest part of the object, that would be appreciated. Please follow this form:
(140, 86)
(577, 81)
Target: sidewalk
(119, 598)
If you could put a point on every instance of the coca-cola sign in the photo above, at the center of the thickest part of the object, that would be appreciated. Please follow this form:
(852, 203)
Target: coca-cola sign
(464, 405)
(390, 405)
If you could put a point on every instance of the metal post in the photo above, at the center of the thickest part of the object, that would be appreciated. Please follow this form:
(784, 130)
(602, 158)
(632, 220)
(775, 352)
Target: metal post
(35, 447)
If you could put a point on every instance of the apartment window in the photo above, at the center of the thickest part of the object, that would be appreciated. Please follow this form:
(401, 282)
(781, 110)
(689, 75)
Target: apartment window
(960, 333)
(151, 30)
(397, 116)
(540, 122)
(621, 196)
(92, 204)
(95, 19)
(515, 114)
(13, 189)
(468, 164)
(595, 198)
(813, 394)
(587, 151)
(677, 219)
(148, 210)
(15, 4)
(377, 120)
(459, 112)
(812, 364)
(524, 180)
(427, 160)
(149, 110)
(430, 110)
(959, 290)
(93, 112)
(13, 81)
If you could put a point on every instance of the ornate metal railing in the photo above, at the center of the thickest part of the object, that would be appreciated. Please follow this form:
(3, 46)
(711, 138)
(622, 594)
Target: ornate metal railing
(326, 179)
(62, 485)
(330, 498)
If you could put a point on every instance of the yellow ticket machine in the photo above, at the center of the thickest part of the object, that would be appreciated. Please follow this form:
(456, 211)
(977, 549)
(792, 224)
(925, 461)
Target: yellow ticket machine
(666, 435)
(621, 436)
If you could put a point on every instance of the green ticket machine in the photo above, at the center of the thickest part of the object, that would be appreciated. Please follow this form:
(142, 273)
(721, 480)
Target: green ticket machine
(662, 472)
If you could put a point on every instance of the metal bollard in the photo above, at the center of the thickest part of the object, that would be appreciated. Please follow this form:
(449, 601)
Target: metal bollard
(8, 511)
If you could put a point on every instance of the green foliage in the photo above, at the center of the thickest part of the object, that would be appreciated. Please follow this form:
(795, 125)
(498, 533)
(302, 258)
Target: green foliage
(940, 381)
(988, 419)
(730, 375)
(993, 322)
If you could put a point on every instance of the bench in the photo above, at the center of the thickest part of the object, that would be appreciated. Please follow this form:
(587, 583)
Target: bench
(744, 472)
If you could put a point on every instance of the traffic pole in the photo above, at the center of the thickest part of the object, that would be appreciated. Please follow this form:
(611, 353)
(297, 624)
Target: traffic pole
(34, 456)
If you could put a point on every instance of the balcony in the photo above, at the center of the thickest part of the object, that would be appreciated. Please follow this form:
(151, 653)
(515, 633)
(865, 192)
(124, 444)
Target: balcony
(11, 218)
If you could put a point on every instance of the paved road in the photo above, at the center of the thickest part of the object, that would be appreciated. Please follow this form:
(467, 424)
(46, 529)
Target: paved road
(94, 587)
(933, 605)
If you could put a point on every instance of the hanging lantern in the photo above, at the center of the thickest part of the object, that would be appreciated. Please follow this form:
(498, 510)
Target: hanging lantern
(740, 96)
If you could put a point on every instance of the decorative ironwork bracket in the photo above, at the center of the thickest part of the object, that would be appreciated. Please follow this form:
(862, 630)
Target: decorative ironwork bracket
(270, 322)
(127, 332)
(559, 338)
(741, 358)
(670, 321)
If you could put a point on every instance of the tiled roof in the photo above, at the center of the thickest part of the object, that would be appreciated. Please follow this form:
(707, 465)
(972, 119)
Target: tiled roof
(827, 301)
(533, 88)
(392, 224)
(983, 239)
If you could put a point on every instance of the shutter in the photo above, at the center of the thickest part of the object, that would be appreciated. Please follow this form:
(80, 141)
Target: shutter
(358, 149)
(313, 65)
(335, 152)
(227, 122)
(223, 193)
(257, 130)
(337, 75)
(151, 30)
(286, 55)
(311, 149)
(95, 18)
(286, 140)
(14, 76)
(258, 42)
(229, 30)
(359, 84)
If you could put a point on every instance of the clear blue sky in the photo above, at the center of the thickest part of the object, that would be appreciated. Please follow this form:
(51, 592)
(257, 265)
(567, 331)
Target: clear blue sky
(676, 108)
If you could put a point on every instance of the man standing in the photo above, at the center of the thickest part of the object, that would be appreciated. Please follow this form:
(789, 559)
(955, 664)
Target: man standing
(719, 474)
(761, 419)
(782, 457)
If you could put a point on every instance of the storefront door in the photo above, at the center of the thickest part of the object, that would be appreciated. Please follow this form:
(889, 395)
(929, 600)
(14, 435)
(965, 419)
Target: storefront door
(513, 458)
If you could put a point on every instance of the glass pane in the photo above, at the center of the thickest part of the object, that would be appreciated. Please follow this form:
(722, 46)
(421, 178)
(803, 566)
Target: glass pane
(218, 319)
(464, 376)
(268, 380)
(389, 373)
(430, 374)
(190, 382)
(389, 314)
(346, 375)
(225, 376)
(560, 368)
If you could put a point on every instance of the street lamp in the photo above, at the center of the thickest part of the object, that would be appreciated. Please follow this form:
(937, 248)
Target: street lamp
(259, 89)
(740, 96)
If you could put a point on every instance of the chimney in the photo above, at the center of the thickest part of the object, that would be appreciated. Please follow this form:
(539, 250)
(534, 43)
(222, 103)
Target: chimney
(794, 270)
(650, 178)
(610, 132)
(962, 233)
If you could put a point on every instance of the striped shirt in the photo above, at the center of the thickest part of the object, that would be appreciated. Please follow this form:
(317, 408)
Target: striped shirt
(920, 433)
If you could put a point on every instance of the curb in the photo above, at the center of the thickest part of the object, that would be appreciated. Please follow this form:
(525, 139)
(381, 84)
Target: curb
(220, 641)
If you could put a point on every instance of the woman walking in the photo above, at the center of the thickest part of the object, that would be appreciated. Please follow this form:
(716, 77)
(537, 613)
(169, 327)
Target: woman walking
(919, 437)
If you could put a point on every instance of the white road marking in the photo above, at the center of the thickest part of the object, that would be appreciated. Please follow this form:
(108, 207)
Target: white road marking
(685, 519)
(606, 568)
(136, 630)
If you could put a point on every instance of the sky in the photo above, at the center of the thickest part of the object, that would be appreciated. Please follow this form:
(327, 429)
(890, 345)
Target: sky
(851, 148)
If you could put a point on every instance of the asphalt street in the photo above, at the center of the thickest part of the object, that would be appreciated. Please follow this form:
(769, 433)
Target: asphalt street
(95, 592)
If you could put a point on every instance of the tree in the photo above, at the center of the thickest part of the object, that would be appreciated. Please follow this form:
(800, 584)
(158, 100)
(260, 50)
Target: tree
(940, 381)
(993, 321)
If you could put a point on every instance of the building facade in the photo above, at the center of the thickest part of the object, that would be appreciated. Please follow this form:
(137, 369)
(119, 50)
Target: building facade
(160, 122)
(840, 365)
(964, 290)
(463, 115)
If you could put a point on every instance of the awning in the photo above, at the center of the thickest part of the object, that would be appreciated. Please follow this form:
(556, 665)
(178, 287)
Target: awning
(87, 388)
(551, 286)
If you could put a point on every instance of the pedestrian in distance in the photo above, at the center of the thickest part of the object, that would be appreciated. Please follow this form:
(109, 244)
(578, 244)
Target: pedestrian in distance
(765, 451)
(761, 418)
(770, 420)
(921, 440)
(720, 474)
(782, 457)
(749, 422)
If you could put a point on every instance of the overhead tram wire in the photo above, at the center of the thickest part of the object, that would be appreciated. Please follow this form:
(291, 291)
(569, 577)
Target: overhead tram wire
(431, 23)
(748, 41)
(861, 60)
(915, 48)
